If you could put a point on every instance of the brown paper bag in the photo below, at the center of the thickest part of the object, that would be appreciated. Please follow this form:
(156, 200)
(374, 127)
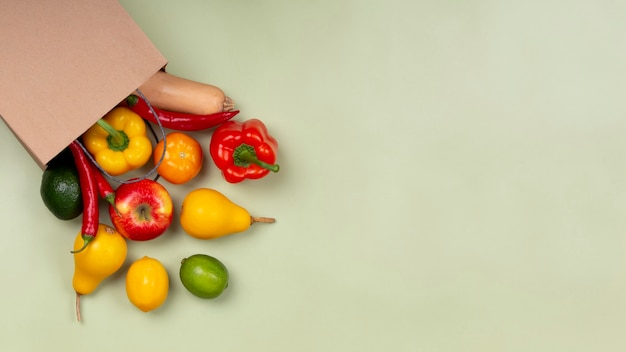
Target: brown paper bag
(64, 64)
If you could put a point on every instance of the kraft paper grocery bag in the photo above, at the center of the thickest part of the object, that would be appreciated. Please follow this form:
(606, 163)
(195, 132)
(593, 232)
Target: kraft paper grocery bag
(64, 64)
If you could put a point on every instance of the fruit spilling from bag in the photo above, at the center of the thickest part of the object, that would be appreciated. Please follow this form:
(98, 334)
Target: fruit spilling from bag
(94, 169)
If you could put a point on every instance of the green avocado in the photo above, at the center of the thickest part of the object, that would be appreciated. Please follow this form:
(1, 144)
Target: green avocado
(60, 191)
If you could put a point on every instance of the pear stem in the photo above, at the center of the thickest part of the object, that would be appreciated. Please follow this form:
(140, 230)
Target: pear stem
(78, 307)
(254, 219)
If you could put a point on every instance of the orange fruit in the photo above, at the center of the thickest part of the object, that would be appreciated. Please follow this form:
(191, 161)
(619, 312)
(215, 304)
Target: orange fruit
(182, 160)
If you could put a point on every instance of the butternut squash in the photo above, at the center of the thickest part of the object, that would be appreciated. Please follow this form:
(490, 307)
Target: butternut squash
(173, 93)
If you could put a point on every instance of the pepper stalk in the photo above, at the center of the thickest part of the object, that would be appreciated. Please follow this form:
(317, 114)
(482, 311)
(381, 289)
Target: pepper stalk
(117, 140)
(244, 155)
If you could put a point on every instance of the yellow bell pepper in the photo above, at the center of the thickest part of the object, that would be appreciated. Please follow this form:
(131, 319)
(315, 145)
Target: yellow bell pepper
(119, 142)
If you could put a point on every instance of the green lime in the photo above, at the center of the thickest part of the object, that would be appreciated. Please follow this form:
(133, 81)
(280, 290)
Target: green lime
(60, 192)
(203, 275)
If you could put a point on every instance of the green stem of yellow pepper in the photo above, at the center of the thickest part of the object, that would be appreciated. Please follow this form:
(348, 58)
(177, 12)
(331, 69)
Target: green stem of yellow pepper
(117, 140)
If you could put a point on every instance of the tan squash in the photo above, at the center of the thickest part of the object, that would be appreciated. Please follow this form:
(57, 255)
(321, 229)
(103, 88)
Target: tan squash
(173, 93)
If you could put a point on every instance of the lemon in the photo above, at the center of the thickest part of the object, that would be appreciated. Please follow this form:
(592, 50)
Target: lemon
(147, 284)
(204, 276)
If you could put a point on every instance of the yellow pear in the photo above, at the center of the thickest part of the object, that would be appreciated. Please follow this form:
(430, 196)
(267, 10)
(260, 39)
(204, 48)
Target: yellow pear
(104, 255)
(208, 214)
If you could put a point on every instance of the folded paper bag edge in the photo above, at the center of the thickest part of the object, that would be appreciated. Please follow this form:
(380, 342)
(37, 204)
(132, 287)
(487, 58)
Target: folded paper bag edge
(50, 100)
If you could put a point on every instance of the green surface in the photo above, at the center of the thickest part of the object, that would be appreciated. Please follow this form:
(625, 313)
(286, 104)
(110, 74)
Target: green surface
(452, 179)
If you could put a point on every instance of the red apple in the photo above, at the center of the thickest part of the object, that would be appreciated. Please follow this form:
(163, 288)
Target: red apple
(143, 210)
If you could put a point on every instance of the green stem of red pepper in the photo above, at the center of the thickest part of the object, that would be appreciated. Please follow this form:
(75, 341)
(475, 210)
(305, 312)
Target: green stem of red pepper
(117, 140)
(244, 155)
(104, 187)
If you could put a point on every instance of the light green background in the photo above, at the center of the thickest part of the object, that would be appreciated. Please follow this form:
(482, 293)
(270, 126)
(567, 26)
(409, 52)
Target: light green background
(453, 179)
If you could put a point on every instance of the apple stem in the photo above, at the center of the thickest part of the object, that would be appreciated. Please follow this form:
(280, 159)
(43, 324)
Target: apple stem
(78, 307)
(254, 219)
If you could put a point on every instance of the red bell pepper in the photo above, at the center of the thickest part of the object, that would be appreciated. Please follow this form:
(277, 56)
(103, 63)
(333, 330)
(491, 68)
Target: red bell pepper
(243, 150)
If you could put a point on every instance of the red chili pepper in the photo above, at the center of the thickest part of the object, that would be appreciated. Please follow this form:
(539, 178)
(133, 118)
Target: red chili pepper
(91, 212)
(104, 187)
(243, 150)
(177, 120)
